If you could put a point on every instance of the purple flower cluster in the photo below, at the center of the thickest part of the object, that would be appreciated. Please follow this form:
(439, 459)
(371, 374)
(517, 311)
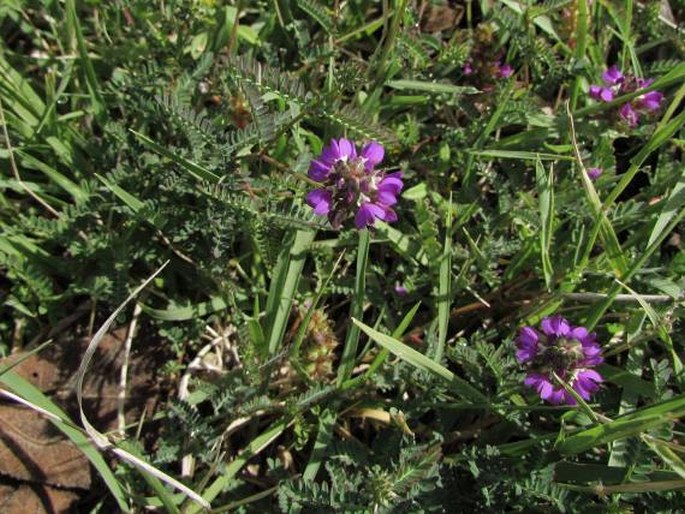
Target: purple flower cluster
(616, 84)
(570, 352)
(495, 70)
(351, 184)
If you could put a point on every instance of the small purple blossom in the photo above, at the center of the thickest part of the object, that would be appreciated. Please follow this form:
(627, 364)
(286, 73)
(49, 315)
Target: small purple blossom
(616, 84)
(400, 289)
(650, 101)
(594, 173)
(503, 71)
(350, 182)
(629, 115)
(612, 76)
(467, 69)
(570, 352)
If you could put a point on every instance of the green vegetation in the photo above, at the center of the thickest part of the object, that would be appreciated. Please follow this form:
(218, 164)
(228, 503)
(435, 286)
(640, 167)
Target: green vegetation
(310, 369)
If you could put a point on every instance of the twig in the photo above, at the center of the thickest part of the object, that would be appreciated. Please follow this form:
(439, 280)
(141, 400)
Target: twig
(123, 377)
(626, 298)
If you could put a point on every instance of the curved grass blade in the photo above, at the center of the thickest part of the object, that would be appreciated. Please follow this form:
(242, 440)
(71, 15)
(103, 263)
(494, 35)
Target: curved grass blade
(420, 361)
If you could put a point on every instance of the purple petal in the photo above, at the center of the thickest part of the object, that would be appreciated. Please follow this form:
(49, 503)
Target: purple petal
(595, 91)
(320, 201)
(392, 182)
(563, 396)
(347, 149)
(319, 171)
(504, 71)
(386, 198)
(590, 374)
(642, 83)
(331, 153)
(367, 214)
(594, 174)
(390, 215)
(555, 326)
(612, 76)
(629, 115)
(651, 101)
(528, 336)
(373, 153)
(400, 290)
(532, 379)
(587, 383)
(606, 94)
(545, 389)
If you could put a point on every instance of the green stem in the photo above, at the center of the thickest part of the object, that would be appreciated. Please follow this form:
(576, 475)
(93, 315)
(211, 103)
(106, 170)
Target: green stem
(390, 41)
(349, 354)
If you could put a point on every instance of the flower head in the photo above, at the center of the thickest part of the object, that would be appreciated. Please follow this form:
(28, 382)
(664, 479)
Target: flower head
(617, 84)
(562, 349)
(351, 184)
(594, 173)
(503, 71)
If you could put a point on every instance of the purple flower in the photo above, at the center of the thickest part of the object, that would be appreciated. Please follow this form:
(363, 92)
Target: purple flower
(612, 76)
(467, 69)
(400, 289)
(601, 93)
(594, 173)
(350, 184)
(650, 101)
(612, 79)
(570, 352)
(615, 83)
(629, 115)
(503, 71)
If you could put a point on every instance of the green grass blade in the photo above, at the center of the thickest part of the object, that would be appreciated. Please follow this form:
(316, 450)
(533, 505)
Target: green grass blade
(283, 286)
(675, 202)
(661, 135)
(423, 363)
(444, 286)
(91, 79)
(194, 169)
(349, 354)
(546, 205)
(628, 425)
(431, 87)
(256, 446)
